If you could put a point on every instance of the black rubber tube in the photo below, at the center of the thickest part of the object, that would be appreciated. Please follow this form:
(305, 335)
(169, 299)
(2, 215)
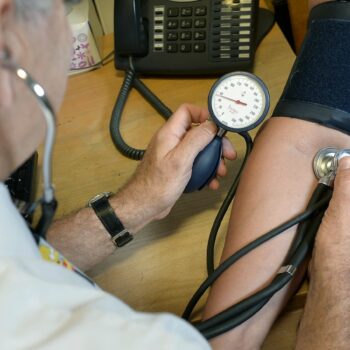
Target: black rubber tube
(234, 311)
(245, 250)
(319, 192)
(129, 82)
(281, 279)
(234, 315)
(153, 100)
(232, 323)
(114, 126)
(225, 205)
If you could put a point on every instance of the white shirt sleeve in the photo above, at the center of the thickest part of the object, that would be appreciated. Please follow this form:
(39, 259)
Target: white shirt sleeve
(44, 306)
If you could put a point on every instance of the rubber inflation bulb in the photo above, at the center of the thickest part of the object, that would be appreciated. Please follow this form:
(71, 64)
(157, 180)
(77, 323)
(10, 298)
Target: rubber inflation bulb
(205, 165)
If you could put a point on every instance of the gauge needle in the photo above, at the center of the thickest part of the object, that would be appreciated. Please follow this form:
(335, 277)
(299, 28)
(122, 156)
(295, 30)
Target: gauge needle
(235, 101)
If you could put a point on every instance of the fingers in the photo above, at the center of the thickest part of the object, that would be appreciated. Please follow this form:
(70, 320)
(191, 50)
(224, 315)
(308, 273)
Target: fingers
(228, 152)
(181, 121)
(336, 214)
(333, 240)
(342, 181)
(194, 141)
(221, 172)
(214, 184)
(227, 149)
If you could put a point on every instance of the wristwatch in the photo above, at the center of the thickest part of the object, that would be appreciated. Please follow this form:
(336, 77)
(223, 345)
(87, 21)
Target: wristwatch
(119, 234)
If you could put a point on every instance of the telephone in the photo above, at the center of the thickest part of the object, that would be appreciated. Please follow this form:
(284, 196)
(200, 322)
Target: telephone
(182, 37)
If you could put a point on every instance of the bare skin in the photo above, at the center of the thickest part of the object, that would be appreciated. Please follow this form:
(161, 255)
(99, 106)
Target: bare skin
(282, 158)
(327, 312)
(276, 185)
(161, 177)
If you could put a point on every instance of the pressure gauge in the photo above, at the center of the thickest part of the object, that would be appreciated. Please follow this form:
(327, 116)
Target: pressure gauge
(238, 101)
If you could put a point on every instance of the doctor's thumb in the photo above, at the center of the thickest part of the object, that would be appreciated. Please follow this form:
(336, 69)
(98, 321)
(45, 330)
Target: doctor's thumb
(196, 140)
(342, 179)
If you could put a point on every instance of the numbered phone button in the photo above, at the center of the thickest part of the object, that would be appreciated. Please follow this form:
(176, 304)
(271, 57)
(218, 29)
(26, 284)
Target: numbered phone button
(172, 48)
(186, 23)
(173, 12)
(172, 24)
(186, 11)
(200, 23)
(199, 47)
(186, 36)
(200, 35)
(200, 11)
(172, 36)
(185, 48)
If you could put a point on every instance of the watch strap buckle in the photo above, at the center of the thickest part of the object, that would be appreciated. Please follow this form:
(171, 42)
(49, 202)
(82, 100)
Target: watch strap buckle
(122, 238)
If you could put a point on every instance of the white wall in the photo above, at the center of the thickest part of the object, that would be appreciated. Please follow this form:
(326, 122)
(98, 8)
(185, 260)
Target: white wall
(105, 10)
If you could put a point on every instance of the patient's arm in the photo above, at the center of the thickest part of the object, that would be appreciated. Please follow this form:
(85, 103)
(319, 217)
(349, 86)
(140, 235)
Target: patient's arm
(276, 185)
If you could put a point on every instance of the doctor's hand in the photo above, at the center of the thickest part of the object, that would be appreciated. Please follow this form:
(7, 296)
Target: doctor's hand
(166, 168)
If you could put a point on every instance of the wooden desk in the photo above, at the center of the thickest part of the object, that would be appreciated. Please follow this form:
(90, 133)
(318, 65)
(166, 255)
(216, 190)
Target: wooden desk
(162, 267)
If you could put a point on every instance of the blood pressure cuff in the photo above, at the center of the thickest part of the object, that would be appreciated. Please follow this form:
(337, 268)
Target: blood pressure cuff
(318, 88)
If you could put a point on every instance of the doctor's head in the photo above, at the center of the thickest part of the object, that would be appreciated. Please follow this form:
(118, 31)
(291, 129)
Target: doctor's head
(35, 35)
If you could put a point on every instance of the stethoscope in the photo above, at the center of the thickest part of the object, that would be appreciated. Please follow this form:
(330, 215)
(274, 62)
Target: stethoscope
(325, 166)
(47, 201)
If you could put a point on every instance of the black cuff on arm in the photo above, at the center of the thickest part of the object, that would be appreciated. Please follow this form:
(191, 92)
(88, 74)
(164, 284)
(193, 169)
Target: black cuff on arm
(318, 88)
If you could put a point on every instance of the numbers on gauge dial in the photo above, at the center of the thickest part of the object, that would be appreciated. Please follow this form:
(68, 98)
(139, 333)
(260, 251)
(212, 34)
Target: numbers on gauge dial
(238, 101)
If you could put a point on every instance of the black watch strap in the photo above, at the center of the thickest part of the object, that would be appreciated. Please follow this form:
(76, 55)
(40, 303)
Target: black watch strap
(100, 204)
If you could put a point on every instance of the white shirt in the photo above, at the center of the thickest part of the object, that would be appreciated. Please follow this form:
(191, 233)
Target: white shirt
(45, 306)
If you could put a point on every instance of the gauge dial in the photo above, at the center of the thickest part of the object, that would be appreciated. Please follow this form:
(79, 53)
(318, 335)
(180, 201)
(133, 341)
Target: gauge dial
(239, 101)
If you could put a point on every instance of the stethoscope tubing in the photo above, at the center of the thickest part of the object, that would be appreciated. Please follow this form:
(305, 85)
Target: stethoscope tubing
(240, 312)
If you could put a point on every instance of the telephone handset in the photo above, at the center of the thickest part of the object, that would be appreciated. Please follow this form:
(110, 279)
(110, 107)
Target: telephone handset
(173, 37)
(131, 39)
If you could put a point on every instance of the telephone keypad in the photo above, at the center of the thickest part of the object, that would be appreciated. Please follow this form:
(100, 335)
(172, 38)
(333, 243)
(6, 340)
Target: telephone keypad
(192, 36)
(184, 25)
